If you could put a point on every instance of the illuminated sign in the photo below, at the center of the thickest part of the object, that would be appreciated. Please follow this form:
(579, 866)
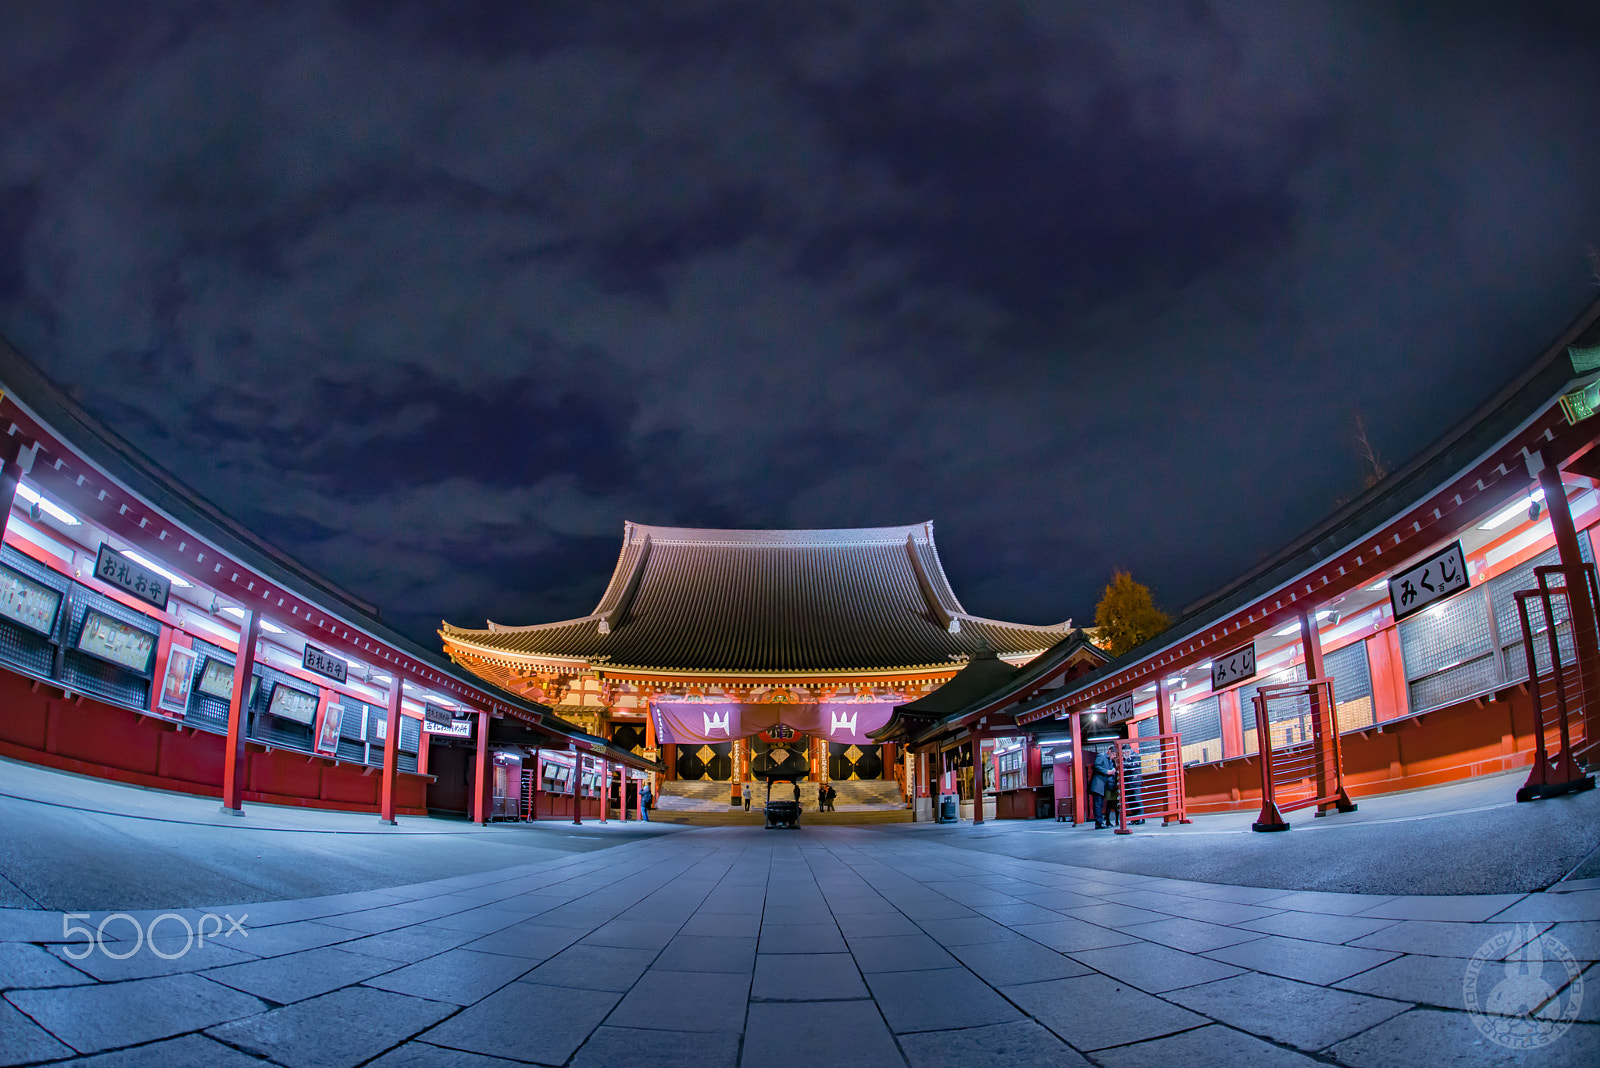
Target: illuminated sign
(1120, 710)
(324, 664)
(117, 642)
(1233, 667)
(328, 736)
(289, 703)
(216, 678)
(455, 728)
(179, 677)
(114, 569)
(25, 601)
(1441, 575)
(1582, 403)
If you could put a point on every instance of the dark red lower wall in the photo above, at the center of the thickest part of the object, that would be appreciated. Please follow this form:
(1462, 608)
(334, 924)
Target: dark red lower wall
(88, 737)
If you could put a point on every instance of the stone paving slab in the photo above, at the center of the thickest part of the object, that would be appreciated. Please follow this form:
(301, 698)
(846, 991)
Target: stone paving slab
(1295, 1014)
(296, 976)
(108, 1015)
(24, 965)
(1449, 1040)
(1014, 1045)
(1204, 1047)
(336, 1030)
(1117, 1013)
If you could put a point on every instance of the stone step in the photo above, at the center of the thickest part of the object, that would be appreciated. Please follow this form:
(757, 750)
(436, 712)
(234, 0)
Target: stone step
(755, 818)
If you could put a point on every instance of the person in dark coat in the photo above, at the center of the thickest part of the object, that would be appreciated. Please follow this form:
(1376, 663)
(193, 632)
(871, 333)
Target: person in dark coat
(1132, 779)
(832, 793)
(645, 801)
(1100, 781)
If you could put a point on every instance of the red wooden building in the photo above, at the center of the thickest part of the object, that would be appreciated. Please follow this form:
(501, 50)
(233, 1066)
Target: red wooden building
(1408, 600)
(148, 638)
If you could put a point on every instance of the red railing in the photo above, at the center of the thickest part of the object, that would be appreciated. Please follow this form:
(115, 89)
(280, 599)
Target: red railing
(1309, 771)
(1558, 774)
(1149, 779)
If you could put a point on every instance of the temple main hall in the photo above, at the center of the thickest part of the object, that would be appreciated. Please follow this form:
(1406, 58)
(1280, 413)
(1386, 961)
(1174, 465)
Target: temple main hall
(723, 652)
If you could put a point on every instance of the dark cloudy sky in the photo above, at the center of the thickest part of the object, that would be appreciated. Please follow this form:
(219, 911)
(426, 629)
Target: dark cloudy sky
(437, 295)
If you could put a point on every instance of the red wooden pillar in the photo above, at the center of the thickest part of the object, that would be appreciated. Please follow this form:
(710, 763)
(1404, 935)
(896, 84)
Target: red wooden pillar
(1583, 611)
(480, 780)
(977, 778)
(234, 760)
(391, 750)
(1164, 725)
(1080, 811)
(605, 790)
(1232, 727)
(538, 784)
(577, 787)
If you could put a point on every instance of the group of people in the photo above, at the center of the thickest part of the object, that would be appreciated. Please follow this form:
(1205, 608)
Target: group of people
(825, 795)
(1103, 786)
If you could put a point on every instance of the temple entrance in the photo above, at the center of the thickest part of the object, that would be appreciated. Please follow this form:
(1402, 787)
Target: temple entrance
(847, 761)
(780, 752)
(712, 761)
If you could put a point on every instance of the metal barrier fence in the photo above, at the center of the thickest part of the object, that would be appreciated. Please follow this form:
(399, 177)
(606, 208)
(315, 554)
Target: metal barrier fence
(1307, 767)
(1558, 774)
(1149, 779)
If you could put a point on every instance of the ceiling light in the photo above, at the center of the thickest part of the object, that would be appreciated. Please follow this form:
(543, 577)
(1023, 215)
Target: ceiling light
(157, 568)
(1377, 587)
(48, 507)
(1501, 518)
(266, 624)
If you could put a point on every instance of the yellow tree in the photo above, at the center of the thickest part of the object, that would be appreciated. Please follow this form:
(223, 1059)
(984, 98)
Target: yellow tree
(1126, 616)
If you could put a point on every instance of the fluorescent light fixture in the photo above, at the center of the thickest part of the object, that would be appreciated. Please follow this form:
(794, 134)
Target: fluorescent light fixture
(157, 568)
(47, 506)
(266, 624)
(1376, 587)
(1292, 627)
(1500, 519)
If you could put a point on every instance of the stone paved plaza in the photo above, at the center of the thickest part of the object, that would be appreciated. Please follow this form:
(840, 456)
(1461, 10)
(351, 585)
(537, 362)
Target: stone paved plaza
(830, 947)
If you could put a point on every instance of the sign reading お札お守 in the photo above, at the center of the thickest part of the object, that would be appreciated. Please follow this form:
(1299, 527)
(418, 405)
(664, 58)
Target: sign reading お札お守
(114, 569)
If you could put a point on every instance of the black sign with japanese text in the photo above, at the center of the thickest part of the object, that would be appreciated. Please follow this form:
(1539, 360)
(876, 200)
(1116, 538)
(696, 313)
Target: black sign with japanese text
(1432, 580)
(1234, 667)
(114, 569)
(324, 664)
(436, 715)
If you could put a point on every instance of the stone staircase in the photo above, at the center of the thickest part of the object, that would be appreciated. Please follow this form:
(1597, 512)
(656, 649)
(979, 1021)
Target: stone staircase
(706, 804)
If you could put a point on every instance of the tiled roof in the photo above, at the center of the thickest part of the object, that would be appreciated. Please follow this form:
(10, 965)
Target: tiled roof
(770, 601)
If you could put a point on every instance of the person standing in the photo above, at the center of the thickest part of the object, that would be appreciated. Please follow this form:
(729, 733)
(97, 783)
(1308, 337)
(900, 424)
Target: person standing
(1099, 781)
(749, 788)
(832, 793)
(822, 797)
(1132, 781)
(646, 800)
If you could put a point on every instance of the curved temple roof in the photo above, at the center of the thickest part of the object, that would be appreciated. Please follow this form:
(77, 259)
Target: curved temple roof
(769, 601)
